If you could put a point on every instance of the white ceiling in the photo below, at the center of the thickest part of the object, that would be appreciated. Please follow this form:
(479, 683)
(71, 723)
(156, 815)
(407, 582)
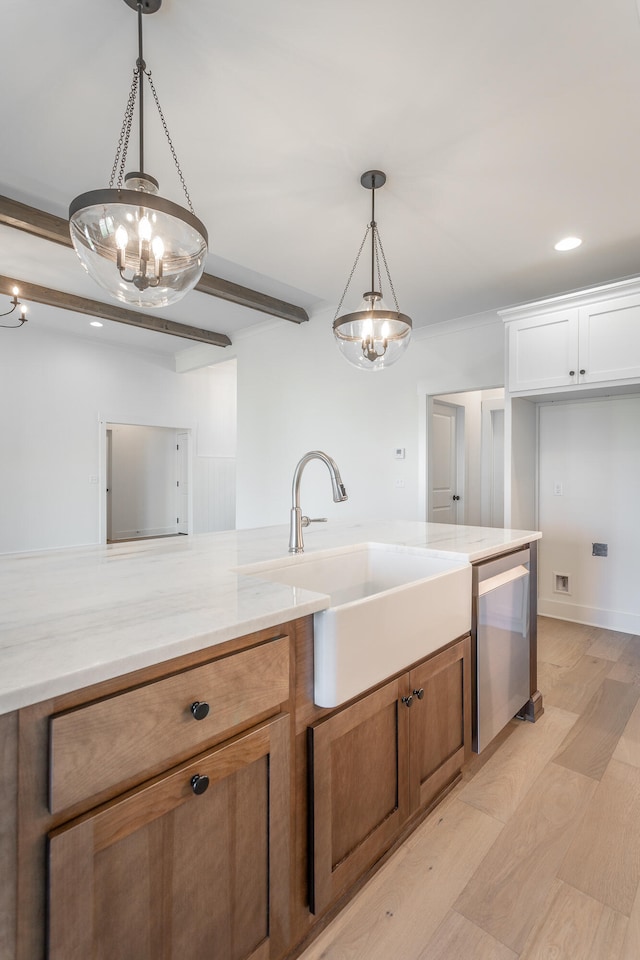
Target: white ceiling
(502, 125)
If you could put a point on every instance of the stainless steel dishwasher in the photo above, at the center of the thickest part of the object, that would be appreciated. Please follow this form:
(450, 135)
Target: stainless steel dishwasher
(501, 643)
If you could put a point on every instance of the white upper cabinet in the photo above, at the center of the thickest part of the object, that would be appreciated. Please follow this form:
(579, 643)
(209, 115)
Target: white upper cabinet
(609, 340)
(543, 352)
(593, 341)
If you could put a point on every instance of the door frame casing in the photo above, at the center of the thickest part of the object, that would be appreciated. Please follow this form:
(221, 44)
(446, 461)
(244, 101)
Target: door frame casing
(103, 425)
(487, 449)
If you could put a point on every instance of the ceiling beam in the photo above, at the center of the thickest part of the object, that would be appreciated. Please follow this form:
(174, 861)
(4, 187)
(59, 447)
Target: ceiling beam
(48, 226)
(108, 311)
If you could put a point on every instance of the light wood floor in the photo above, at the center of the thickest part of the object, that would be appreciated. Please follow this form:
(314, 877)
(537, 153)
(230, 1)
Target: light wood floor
(536, 853)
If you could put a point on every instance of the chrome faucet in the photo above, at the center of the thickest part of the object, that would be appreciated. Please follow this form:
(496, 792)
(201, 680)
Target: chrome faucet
(296, 544)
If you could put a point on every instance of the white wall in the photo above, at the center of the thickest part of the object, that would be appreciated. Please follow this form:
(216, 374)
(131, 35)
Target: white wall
(297, 393)
(590, 450)
(56, 390)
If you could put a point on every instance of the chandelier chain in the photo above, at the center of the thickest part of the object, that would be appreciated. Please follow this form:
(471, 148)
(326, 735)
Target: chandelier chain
(125, 132)
(169, 141)
(384, 260)
(353, 270)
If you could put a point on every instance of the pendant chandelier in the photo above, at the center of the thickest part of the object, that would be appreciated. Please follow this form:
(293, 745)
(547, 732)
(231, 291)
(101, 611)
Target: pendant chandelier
(15, 303)
(374, 336)
(141, 248)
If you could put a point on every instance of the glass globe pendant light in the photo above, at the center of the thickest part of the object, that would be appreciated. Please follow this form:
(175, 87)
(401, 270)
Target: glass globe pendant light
(374, 336)
(141, 248)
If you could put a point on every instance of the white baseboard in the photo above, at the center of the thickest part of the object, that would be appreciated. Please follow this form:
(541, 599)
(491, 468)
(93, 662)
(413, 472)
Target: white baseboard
(609, 619)
(149, 532)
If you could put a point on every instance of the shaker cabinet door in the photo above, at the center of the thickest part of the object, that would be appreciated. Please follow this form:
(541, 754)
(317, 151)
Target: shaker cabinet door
(610, 341)
(191, 864)
(543, 352)
(359, 795)
(440, 721)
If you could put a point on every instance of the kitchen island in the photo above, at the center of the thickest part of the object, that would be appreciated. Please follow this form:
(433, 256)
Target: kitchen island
(73, 617)
(101, 781)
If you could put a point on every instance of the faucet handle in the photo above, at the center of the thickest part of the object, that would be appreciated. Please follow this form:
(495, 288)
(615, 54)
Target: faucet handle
(307, 520)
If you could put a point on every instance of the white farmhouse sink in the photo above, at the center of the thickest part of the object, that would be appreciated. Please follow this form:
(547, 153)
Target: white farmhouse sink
(390, 606)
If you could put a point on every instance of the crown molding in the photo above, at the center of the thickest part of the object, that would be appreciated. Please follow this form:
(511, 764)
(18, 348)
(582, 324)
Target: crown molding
(576, 298)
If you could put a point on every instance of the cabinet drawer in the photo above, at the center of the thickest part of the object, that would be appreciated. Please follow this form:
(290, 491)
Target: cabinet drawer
(140, 732)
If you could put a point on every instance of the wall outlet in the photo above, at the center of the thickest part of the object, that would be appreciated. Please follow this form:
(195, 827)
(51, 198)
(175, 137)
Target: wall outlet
(557, 489)
(399, 482)
(561, 583)
(399, 453)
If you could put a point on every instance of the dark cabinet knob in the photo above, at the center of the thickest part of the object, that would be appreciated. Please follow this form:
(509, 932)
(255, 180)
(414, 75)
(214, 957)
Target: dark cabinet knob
(199, 784)
(572, 373)
(455, 497)
(582, 372)
(407, 701)
(419, 693)
(199, 709)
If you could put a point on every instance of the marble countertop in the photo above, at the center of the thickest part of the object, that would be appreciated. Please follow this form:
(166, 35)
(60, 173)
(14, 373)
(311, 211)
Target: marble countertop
(73, 617)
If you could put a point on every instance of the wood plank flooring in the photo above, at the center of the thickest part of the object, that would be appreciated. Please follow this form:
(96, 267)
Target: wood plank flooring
(536, 853)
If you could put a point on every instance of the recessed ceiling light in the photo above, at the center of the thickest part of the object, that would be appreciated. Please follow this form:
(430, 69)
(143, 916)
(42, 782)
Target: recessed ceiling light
(96, 323)
(568, 243)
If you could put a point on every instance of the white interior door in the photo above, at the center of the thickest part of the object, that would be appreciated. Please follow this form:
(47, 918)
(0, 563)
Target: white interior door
(182, 490)
(446, 463)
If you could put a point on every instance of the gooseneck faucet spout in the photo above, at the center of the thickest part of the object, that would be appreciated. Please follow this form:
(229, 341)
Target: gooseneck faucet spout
(296, 544)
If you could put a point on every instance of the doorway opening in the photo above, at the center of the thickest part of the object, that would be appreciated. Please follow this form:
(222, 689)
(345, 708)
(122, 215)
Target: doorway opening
(465, 458)
(147, 482)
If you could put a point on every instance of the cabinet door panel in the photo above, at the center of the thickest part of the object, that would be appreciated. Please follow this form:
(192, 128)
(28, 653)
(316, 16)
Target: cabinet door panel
(359, 790)
(543, 351)
(162, 873)
(440, 721)
(610, 341)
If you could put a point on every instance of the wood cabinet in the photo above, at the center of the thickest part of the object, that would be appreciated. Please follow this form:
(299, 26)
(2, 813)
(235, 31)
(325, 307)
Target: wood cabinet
(440, 718)
(596, 342)
(195, 858)
(112, 848)
(173, 870)
(378, 762)
(142, 731)
(134, 824)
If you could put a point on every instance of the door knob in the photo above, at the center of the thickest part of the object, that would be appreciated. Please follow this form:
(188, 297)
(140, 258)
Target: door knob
(199, 709)
(199, 784)
(419, 693)
(407, 701)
